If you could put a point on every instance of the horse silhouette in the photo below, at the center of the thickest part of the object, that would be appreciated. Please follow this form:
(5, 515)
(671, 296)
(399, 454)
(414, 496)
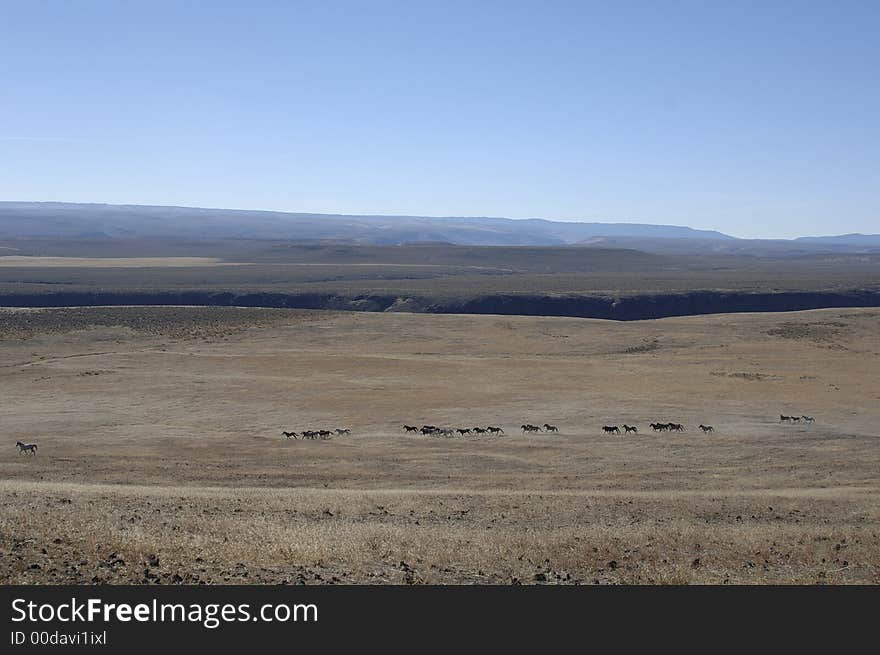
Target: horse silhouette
(26, 447)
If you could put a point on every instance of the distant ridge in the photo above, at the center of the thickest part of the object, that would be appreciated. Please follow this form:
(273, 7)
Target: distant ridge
(61, 220)
(854, 239)
(57, 219)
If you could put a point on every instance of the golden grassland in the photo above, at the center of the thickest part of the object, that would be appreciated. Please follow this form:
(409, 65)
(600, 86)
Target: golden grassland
(161, 458)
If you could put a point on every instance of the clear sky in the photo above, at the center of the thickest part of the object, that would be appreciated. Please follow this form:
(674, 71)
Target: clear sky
(753, 118)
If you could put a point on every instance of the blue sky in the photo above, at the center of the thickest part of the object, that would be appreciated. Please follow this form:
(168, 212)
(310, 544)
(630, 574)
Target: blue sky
(756, 119)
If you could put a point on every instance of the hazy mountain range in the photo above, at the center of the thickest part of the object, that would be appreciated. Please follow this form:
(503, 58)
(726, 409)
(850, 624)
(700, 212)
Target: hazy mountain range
(99, 221)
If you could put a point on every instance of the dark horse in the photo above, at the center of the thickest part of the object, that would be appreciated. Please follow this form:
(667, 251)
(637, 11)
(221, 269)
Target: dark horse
(26, 448)
(289, 434)
(611, 429)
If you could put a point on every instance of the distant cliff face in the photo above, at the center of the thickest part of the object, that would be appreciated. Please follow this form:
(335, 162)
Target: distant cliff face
(629, 308)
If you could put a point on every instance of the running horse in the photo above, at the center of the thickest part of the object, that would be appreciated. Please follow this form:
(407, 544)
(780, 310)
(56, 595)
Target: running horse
(26, 448)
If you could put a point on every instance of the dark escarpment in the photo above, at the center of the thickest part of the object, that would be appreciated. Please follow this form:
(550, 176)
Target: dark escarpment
(624, 308)
(649, 306)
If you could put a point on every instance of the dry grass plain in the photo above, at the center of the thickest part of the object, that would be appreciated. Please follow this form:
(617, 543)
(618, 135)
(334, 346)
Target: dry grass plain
(161, 459)
(18, 261)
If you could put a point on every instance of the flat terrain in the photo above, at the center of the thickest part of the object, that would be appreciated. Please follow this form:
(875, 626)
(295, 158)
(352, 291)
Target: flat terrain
(161, 457)
(24, 261)
(35, 266)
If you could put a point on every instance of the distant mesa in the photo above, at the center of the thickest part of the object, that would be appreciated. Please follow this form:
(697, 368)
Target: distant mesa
(61, 220)
(72, 220)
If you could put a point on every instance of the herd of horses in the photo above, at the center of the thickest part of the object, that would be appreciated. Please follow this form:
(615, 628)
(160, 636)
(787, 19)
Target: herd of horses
(433, 430)
(315, 434)
(796, 419)
(529, 428)
(656, 427)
